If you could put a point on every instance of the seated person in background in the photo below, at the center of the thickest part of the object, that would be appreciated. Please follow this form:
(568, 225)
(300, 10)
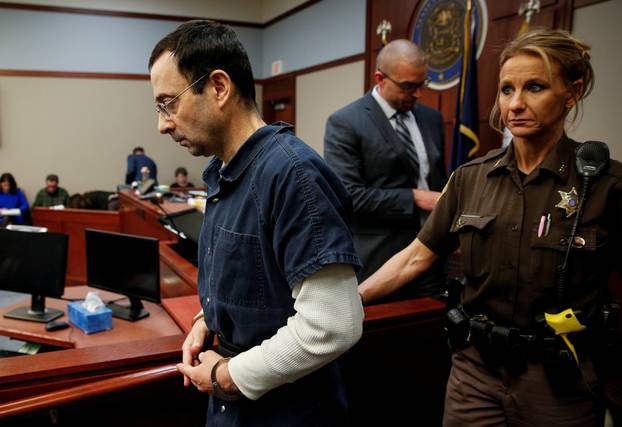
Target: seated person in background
(97, 200)
(135, 162)
(12, 197)
(181, 179)
(52, 194)
(145, 174)
(146, 183)
(102, 200)
(79, 201)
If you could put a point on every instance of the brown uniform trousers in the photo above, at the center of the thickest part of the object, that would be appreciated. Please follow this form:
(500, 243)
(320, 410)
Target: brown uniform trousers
(513, 231)
(480, 396)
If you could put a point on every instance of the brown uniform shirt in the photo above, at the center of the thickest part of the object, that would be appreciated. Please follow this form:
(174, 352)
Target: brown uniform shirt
(494, 215)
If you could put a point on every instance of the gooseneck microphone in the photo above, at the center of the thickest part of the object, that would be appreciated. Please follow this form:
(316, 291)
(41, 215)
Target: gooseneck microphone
(592, 160)
(157, 200)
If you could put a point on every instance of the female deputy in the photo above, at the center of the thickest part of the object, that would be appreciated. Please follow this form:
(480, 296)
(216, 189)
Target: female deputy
(512, 213)
(11, 197)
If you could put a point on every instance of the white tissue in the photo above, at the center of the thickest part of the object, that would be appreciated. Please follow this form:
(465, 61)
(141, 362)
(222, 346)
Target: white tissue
(93, 302)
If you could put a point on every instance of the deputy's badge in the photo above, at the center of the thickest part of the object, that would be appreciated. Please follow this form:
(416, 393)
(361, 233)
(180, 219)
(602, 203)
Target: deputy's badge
(438, 29)
(569, 201)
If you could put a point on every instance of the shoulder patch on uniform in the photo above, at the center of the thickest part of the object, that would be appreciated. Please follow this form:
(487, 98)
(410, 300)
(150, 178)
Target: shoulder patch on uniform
(494, 154)
(451, 177)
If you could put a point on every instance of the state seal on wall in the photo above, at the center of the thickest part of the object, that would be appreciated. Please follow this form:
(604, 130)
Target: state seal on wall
(438, 29)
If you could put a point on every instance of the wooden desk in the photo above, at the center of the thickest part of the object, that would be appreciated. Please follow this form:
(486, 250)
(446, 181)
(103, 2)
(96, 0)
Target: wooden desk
(142, 217)
(182, 310)
(177, 275)
(157, 324)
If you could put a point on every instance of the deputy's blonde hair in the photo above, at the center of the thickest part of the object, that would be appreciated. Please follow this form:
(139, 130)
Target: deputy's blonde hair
(552, 46)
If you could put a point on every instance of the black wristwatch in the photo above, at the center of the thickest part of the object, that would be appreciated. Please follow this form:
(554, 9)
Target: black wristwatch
(219, 392)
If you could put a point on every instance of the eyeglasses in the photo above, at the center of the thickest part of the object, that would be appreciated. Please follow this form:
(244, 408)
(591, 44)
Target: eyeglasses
(162, 107)
(408, 86)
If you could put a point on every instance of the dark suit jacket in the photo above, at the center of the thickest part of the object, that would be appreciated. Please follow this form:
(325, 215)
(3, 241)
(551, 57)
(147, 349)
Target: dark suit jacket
(364, 150)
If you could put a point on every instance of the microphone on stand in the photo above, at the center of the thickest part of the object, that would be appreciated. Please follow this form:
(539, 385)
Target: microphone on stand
(156, 199)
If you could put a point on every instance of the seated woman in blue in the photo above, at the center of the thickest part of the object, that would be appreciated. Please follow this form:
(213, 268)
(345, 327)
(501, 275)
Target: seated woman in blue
(11, 197)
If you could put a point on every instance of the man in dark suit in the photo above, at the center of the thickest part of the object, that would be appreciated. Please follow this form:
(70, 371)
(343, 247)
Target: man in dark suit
(389, 152)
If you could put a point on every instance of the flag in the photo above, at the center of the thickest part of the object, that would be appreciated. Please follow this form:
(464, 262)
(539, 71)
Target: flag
(466, 128)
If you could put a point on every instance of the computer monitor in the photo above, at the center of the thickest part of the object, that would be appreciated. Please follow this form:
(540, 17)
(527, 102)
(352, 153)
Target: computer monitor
(124, 264)
(33, 263)
(187, 224)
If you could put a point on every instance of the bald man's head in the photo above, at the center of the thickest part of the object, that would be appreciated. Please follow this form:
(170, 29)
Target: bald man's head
(401, 74)
(400, 50)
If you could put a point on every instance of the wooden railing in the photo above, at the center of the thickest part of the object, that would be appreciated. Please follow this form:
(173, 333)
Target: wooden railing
(393, 334)
(46, 380)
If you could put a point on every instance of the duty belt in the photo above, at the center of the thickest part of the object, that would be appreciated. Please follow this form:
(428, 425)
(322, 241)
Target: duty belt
(464, 330)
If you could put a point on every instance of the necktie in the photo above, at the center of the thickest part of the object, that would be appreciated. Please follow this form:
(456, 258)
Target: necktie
(404, 137)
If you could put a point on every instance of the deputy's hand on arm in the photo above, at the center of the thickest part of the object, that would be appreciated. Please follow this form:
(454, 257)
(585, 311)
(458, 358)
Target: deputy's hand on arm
(404, 266)
(193, 345)
(425, 199)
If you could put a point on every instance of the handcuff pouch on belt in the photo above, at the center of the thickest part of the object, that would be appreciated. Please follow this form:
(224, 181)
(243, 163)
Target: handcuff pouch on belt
(498, 345)
(464, 330)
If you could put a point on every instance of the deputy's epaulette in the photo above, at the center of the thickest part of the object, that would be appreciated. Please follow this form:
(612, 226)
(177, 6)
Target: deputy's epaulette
(497, 153)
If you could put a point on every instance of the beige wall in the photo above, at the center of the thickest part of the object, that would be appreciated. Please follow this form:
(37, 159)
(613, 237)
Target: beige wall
(259, 96)
(274, 8)
(83, 130)
(233, 10)
(320, 94)
(598, 25)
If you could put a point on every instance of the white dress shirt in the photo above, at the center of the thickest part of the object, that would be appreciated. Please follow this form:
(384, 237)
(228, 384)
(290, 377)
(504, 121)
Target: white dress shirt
(415, 135)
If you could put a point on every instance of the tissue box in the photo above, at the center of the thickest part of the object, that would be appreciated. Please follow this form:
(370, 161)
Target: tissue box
(89, 322)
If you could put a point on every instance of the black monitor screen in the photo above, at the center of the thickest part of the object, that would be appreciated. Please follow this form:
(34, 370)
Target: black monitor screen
(188, 222)
(33, 263)
(125, 264)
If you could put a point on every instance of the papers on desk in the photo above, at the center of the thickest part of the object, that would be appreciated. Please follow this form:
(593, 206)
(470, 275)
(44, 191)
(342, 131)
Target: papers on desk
(198, 203)
(198, 193)
(30, 228)
(10, 212)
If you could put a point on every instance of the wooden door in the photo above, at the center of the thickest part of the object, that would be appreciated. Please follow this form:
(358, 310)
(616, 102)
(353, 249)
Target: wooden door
(279, 100)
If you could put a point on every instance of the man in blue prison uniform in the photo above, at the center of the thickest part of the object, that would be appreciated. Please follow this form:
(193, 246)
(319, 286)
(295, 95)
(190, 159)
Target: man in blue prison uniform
(277, 263)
